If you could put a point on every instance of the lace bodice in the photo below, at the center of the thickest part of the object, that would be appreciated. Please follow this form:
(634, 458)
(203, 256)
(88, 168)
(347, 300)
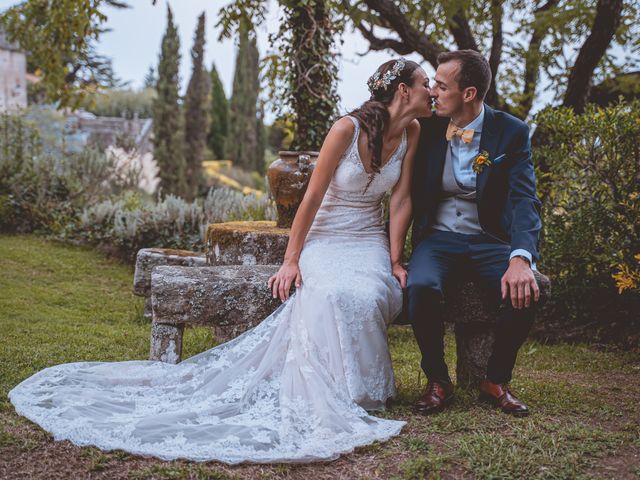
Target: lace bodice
(352, 204)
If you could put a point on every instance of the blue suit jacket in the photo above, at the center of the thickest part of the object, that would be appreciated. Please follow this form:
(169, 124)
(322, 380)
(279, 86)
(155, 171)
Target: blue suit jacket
(508, 207)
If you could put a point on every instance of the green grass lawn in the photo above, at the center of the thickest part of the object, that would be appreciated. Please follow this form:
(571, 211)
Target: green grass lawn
(63, 304)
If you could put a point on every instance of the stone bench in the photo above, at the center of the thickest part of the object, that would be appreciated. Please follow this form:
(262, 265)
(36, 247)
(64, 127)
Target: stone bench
(233, 298)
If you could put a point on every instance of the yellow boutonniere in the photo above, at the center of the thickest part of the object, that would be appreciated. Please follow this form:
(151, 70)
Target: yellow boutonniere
(481, 161)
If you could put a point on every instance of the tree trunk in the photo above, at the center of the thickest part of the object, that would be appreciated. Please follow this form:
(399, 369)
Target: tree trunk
(608, 17)
(496, 50)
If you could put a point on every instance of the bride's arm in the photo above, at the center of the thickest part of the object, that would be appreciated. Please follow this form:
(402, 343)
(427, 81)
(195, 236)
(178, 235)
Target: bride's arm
(400, 206)
(335, 143)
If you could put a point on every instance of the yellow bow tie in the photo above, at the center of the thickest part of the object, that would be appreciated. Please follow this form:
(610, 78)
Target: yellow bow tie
(454, 131)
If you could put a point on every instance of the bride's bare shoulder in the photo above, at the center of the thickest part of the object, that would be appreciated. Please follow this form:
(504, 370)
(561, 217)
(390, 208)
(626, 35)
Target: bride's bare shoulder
(340, 134)
(344, 126)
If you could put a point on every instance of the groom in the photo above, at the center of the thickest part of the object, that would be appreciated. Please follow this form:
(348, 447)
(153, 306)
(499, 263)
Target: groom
(476, 214)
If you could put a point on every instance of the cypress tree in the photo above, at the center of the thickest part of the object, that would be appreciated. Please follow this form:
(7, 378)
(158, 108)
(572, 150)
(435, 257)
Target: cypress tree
(243, 135)
(150, 78)
(196, 113)
(168, 142)
(219, 127)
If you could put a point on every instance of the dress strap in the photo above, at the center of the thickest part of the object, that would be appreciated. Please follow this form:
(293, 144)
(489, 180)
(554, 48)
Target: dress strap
(356, 133)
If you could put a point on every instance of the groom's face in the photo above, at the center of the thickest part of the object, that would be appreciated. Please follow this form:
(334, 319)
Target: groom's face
(446, 93)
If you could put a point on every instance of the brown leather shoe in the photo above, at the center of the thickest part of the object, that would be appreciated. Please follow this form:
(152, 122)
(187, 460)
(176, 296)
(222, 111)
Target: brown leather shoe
(498, 395)
(436, 396)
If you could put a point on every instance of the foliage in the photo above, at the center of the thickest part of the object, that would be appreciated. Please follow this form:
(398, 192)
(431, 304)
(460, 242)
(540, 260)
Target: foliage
(196, 120)
(60, 39)
(168, 131)
(45, 190)
(304, 44)
(150, 78)
(280, 135)
(125, 103)
(130, 223)
(242, 141)
(527, 43)
(302, 72)
(90, 197)
(591, 213)
(219, 124)
(608, 92)
(222, 173)
(628, 277)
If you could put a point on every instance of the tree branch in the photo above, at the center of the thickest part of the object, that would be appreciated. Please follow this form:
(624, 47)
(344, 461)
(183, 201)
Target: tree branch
(415, 40)
(607, 21)
(532, 60)
(376, 43)
(461, 31)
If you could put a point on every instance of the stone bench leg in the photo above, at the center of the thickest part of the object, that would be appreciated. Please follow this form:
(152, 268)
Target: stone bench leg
(148, 311)
(166, 342)
(474, 343)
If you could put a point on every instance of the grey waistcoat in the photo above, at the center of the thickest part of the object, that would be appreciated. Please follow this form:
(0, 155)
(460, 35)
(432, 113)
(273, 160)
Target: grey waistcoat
(457, 210)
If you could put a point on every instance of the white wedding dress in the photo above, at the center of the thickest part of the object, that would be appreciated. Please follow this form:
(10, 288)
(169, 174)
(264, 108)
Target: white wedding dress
(296, 388)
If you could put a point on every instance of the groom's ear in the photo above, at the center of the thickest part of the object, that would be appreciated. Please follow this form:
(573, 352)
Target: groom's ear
(469, 94)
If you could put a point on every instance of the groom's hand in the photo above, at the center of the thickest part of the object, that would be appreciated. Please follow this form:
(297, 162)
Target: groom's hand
(519, 283)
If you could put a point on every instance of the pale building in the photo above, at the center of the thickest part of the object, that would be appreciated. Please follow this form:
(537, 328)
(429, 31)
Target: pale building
(13, 75)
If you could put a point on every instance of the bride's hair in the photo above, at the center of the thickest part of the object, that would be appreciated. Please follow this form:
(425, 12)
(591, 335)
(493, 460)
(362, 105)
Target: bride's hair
(373, 115)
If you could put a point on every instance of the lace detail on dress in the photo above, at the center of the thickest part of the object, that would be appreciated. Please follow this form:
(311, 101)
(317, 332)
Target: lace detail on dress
(354, 153)
(296, 388)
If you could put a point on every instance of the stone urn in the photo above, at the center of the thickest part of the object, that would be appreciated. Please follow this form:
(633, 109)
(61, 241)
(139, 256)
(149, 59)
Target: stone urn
(288, 179)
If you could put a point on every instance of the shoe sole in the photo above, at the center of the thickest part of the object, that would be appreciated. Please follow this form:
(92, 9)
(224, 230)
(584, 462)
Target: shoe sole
(485, 398)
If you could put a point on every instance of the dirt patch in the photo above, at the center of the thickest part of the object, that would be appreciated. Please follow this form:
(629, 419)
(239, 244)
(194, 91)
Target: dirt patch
(624, 465)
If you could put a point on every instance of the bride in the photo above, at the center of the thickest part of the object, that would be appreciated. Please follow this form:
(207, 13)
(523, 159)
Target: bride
(297, 387)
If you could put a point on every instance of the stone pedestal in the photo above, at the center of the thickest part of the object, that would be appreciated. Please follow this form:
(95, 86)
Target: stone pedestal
(246, 243)
(474, 325)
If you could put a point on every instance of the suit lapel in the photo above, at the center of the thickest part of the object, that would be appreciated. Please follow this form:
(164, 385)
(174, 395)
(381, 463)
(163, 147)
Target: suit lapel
(489, 142)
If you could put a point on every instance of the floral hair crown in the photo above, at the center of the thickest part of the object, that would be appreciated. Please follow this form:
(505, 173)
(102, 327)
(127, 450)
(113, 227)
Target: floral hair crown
(377, 81)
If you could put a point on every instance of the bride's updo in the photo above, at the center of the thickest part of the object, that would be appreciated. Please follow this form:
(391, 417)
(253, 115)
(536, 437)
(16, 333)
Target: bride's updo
(373, 115)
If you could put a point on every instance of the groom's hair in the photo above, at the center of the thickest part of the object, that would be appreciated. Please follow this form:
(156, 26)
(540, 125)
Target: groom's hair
(474, 70)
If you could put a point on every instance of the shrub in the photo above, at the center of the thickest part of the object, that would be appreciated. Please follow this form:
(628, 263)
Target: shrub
(46, 189)
(125, 103)
(130, 223)
(591, 217)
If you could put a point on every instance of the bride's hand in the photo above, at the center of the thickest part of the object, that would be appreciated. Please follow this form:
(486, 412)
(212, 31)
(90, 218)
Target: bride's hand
(281, 282)
(400, 273)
